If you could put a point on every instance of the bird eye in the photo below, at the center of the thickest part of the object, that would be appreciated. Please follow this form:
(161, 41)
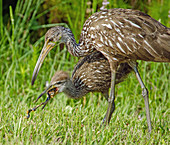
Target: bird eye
(50, 39)
(58, 83)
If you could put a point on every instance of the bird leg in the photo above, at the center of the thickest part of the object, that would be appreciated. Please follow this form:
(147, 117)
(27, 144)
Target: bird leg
(144, 94)
(111, 106)
(112, 110)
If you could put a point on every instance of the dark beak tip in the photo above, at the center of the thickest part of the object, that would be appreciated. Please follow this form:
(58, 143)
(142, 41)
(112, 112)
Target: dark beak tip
(33, 79)
(32, 82)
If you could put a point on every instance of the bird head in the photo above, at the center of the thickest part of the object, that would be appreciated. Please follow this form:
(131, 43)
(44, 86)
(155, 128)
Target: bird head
(59, 83)
(53, 37)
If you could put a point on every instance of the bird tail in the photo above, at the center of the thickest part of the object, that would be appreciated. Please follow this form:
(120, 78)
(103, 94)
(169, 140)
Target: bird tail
(164, 43)
(156, 49)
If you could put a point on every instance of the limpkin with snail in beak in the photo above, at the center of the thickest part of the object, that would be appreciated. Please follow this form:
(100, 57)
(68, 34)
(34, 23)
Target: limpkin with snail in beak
(121, 35)
(91, 74)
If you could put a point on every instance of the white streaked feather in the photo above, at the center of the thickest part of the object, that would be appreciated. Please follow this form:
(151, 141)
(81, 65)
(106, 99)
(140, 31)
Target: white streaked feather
(92, 28)
(118, 45)
(101, 38)
(134, 40)
(140, 35)
(92, 36)
(133, 24)
(117, 30)
(90, 86)
(105, 54)
(100, 45)
(102, 17)
(107, 25)
(127, 47)
(120, 39)
(114, 23)
(150, 47)
(103, 13)
(110, 43)
(98, 71)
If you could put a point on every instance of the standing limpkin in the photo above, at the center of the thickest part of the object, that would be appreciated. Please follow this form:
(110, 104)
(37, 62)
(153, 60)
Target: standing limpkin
(91, 74)
(121, 35)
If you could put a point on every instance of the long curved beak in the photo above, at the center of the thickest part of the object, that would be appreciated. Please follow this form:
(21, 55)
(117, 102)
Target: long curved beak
(46, 49)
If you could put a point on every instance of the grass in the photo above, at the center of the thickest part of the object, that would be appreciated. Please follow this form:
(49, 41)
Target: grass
(67, 121)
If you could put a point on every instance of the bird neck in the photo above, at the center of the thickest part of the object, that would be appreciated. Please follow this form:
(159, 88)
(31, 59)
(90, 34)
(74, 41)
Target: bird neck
(76, 49)
(71, 91)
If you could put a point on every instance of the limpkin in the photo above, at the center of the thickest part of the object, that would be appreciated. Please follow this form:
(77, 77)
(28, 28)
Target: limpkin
(121, 35)
(91, 74)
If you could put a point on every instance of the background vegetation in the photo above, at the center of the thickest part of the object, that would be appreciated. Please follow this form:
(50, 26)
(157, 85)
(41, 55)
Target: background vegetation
(66, 121)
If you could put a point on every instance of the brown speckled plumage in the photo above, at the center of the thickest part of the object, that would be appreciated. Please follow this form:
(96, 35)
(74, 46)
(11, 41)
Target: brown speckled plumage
(91, 74)
(121, 35)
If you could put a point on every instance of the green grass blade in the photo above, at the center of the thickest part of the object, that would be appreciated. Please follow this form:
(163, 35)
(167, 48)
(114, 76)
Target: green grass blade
(1, 18)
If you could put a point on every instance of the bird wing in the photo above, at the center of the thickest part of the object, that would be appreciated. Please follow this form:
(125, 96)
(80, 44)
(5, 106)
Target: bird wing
(124, 33)
(92, 73)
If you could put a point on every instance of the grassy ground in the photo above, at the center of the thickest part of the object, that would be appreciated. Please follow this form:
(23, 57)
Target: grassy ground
(66, 121)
